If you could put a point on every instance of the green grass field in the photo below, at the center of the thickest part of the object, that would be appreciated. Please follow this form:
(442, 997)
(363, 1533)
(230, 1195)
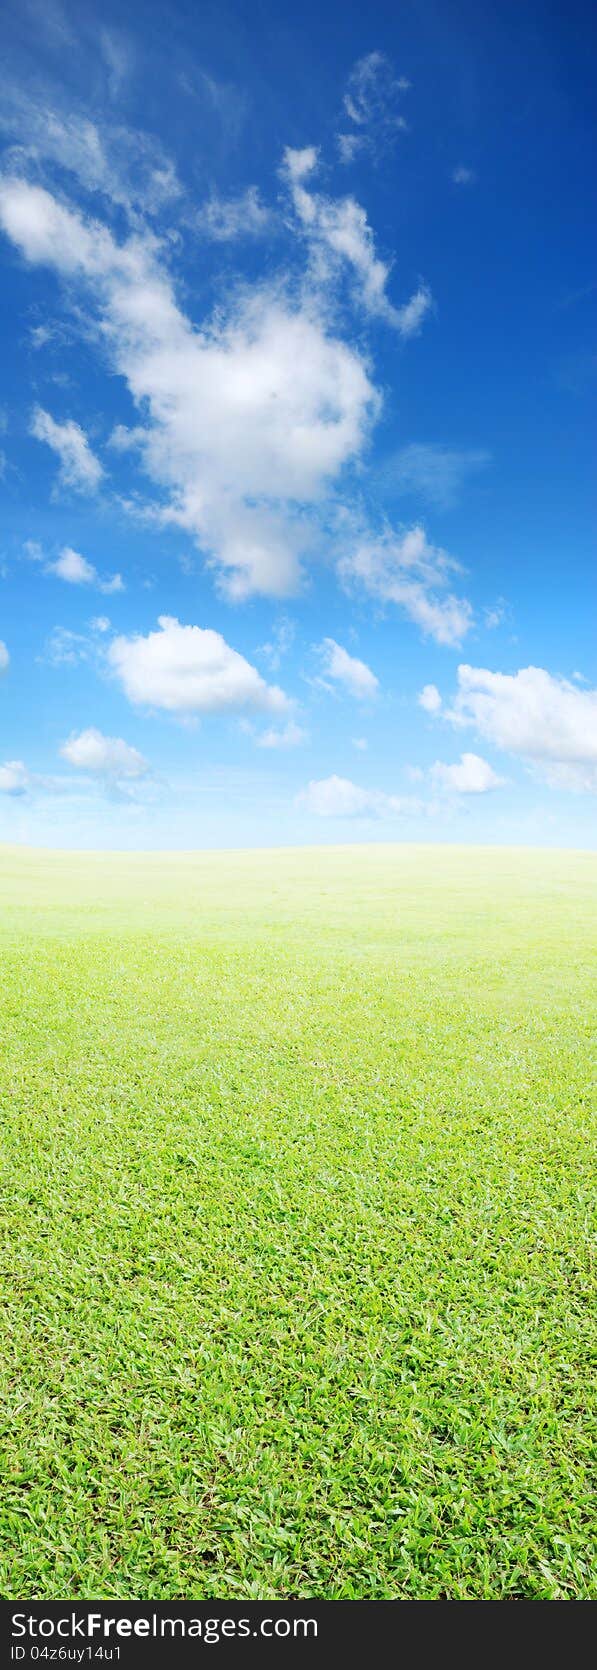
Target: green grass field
(296, 1223)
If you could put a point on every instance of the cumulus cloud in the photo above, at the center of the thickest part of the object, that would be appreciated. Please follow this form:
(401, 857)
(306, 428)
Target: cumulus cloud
(430, 698)
(249, 420)
(371, 107)
(462, 176)
(103, 756)
(469, 775)
(4, 657)
(339, 233)
(226, 218)
(338, 797)
(346, 669)
(14, 777)
(546, 720)
(190, 669)
(79, 467)
(290, 736)
(437, 473)
(404, 568)
(77, 571)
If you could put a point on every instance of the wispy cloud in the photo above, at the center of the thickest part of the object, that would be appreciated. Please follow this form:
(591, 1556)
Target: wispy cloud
(225, 219)
(404, 568)
(79, 467)
(339, 235)
(372, 107)
(127, 167)
(432, 471)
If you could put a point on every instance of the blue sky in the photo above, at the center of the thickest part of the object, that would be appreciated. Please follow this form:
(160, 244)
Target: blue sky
(299, 360)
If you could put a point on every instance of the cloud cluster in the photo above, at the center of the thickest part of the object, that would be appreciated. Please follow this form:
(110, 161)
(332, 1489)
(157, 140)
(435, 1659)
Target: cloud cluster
(545, 720)
(190, 670)
(249, 418)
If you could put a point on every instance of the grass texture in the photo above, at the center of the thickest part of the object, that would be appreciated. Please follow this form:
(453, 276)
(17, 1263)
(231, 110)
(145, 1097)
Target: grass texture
(296, 1224)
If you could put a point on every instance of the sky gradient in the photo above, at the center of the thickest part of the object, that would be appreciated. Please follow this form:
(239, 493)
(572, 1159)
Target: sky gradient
(299, 365)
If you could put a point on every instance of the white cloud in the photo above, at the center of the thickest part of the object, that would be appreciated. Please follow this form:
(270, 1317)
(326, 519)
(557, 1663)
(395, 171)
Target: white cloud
(407, 570)
(338, 231)
(4, 657)
(436, 472)
(348, 670)
(75, 569)
(430, 698)
(103, 756)
(190, 669)
(291, 736)
(71, 566)
(79, 467)
(14, 777)
(337, 797)
(463, 176)
(548, 721)
(360, 743)
(226, 218)
(469, 775)
(248, 420)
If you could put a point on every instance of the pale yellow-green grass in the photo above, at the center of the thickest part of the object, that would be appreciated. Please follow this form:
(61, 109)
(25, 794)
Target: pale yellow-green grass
(296, 1222)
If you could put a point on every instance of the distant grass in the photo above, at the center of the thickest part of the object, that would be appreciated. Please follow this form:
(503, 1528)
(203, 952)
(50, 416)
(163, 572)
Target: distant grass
(296, 1224)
